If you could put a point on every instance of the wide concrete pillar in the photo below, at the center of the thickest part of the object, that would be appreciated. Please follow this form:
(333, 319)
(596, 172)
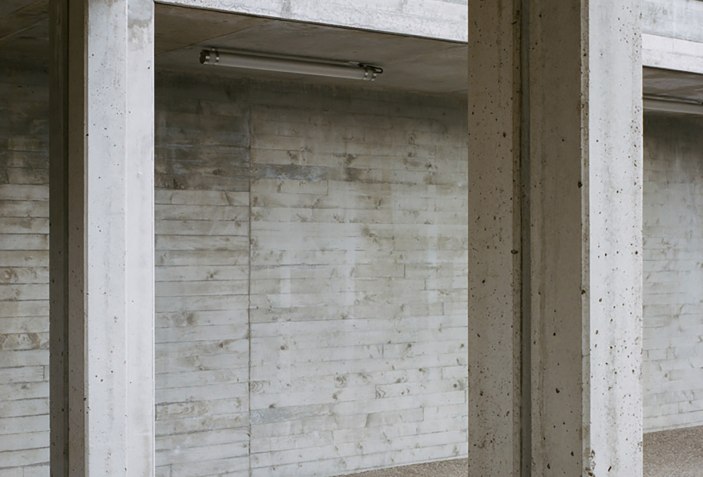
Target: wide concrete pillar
(102, 236)
(555, 213)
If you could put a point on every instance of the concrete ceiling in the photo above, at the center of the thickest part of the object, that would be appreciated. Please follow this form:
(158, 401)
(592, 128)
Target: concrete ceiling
(24, 31)
(673, 84)
(409, 63)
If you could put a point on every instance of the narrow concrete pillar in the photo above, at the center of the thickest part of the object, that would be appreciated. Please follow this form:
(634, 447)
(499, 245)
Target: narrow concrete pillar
(102, 235)
(494, 238)
(555, 272)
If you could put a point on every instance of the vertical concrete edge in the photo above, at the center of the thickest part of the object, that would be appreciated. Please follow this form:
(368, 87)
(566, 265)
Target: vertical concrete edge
(139, 216)
(102, 238)
(614, 255)
(495, 239)
(58, 233)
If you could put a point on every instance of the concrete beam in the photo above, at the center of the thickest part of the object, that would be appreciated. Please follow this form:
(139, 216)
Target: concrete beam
(102, 235)
(555, 271)
(673, 19)
(672, 54)
(440, 19)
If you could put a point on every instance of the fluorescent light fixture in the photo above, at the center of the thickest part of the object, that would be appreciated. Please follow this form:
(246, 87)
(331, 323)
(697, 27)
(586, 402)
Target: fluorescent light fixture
(290, 64)
(670, 104)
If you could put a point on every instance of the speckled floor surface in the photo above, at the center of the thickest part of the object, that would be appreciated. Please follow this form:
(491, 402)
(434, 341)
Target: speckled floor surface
(676, 453)
(445, 468)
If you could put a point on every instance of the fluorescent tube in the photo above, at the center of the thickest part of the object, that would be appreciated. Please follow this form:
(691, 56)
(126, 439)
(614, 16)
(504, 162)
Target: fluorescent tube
(290, 65)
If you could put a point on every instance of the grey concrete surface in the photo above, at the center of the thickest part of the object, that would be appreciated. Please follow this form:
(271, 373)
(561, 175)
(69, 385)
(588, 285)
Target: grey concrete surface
(102, 265)
(443, 19)
(439, 19)
(671, 371)
(409, 63)
(676, 453)
(577, 252)
(673, 18)
(352, 256)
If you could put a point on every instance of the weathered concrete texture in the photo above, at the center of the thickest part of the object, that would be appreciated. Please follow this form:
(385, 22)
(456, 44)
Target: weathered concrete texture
(321, 232)
(677, 453)
(673, 37)
(202, 271)
(359, 247)
(673, 309)
(102, 230)
(681, 19)
(358, 280)
(585, 214)
(409, 63)
(441, 19)
(24, 272)
(612, 185)
(445, 468)
(495, 242)
(555, 238)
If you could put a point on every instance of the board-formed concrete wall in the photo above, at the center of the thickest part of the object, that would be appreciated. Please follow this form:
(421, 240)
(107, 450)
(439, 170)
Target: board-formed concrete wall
(24, 274)
(202, 270)
(347, 210)
(311, 278)
(673, 272)
(358, 280)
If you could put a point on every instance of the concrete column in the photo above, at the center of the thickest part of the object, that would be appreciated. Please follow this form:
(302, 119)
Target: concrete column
(494, 240)
(555, 272)
(102, 235)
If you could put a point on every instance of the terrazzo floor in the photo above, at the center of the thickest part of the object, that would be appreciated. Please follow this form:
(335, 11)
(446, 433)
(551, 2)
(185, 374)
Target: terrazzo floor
(676, 453)
(444, 468)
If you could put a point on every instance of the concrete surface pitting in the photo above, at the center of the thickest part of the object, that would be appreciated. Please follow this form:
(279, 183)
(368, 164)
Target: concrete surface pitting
(674, 453)
(446, 468)
(577, 223)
